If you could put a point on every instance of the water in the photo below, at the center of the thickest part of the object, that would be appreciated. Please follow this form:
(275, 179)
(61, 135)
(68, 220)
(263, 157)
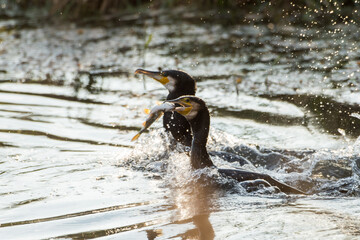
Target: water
(70, 104)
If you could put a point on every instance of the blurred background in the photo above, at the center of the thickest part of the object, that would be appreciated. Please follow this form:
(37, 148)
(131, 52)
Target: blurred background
(281, 80)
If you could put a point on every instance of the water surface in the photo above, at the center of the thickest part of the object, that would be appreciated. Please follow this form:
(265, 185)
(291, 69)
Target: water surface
(70, 103)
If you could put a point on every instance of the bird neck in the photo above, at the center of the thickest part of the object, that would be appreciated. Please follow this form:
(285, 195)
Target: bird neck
(200, 129)
(180, 92)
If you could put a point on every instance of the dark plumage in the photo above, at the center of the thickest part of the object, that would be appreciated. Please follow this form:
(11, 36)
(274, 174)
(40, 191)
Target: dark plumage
(197, 114)
(178, 84)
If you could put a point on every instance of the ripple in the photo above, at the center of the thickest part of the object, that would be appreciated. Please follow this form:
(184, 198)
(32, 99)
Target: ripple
(70, 215)
(56, 137)
(61, 97)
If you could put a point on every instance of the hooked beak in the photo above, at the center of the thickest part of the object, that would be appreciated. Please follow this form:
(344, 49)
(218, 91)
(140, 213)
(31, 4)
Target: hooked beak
(184, 108)
(155, 75)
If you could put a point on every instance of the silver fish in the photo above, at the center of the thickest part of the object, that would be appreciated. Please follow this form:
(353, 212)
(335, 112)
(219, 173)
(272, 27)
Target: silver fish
(155, 113)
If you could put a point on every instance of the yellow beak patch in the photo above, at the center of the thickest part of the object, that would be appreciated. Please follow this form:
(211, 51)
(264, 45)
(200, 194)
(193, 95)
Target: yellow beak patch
(163, 80)
(183, 110)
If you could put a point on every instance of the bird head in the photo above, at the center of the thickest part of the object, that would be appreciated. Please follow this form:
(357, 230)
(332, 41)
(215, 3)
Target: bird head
(174, 80)
(188, 106)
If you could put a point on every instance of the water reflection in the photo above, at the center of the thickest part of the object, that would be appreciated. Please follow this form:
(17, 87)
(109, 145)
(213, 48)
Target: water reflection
(69, 118)
(193, 204)
(152, 234)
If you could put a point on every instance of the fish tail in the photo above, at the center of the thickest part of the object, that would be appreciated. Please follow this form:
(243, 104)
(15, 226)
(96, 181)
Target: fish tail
(136, 137)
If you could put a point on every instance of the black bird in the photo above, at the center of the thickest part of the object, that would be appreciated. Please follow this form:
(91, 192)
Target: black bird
(197, 114)
(178, 83)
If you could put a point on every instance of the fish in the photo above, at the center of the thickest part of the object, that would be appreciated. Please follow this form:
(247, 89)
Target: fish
(355, 115)
(155, 113)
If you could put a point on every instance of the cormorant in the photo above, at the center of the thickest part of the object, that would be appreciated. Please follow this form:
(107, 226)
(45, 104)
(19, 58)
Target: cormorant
(197, 114)
(178, 83)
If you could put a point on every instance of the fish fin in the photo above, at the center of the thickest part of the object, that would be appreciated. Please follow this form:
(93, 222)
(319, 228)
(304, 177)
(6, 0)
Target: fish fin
(136, 137)
(146, 111)
(144, 123)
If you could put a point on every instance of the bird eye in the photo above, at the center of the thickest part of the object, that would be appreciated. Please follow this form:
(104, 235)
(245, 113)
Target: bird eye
(187, 100)
(163, 73)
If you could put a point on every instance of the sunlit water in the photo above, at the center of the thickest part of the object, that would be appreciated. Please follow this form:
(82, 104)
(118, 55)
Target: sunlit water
(69, 105)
